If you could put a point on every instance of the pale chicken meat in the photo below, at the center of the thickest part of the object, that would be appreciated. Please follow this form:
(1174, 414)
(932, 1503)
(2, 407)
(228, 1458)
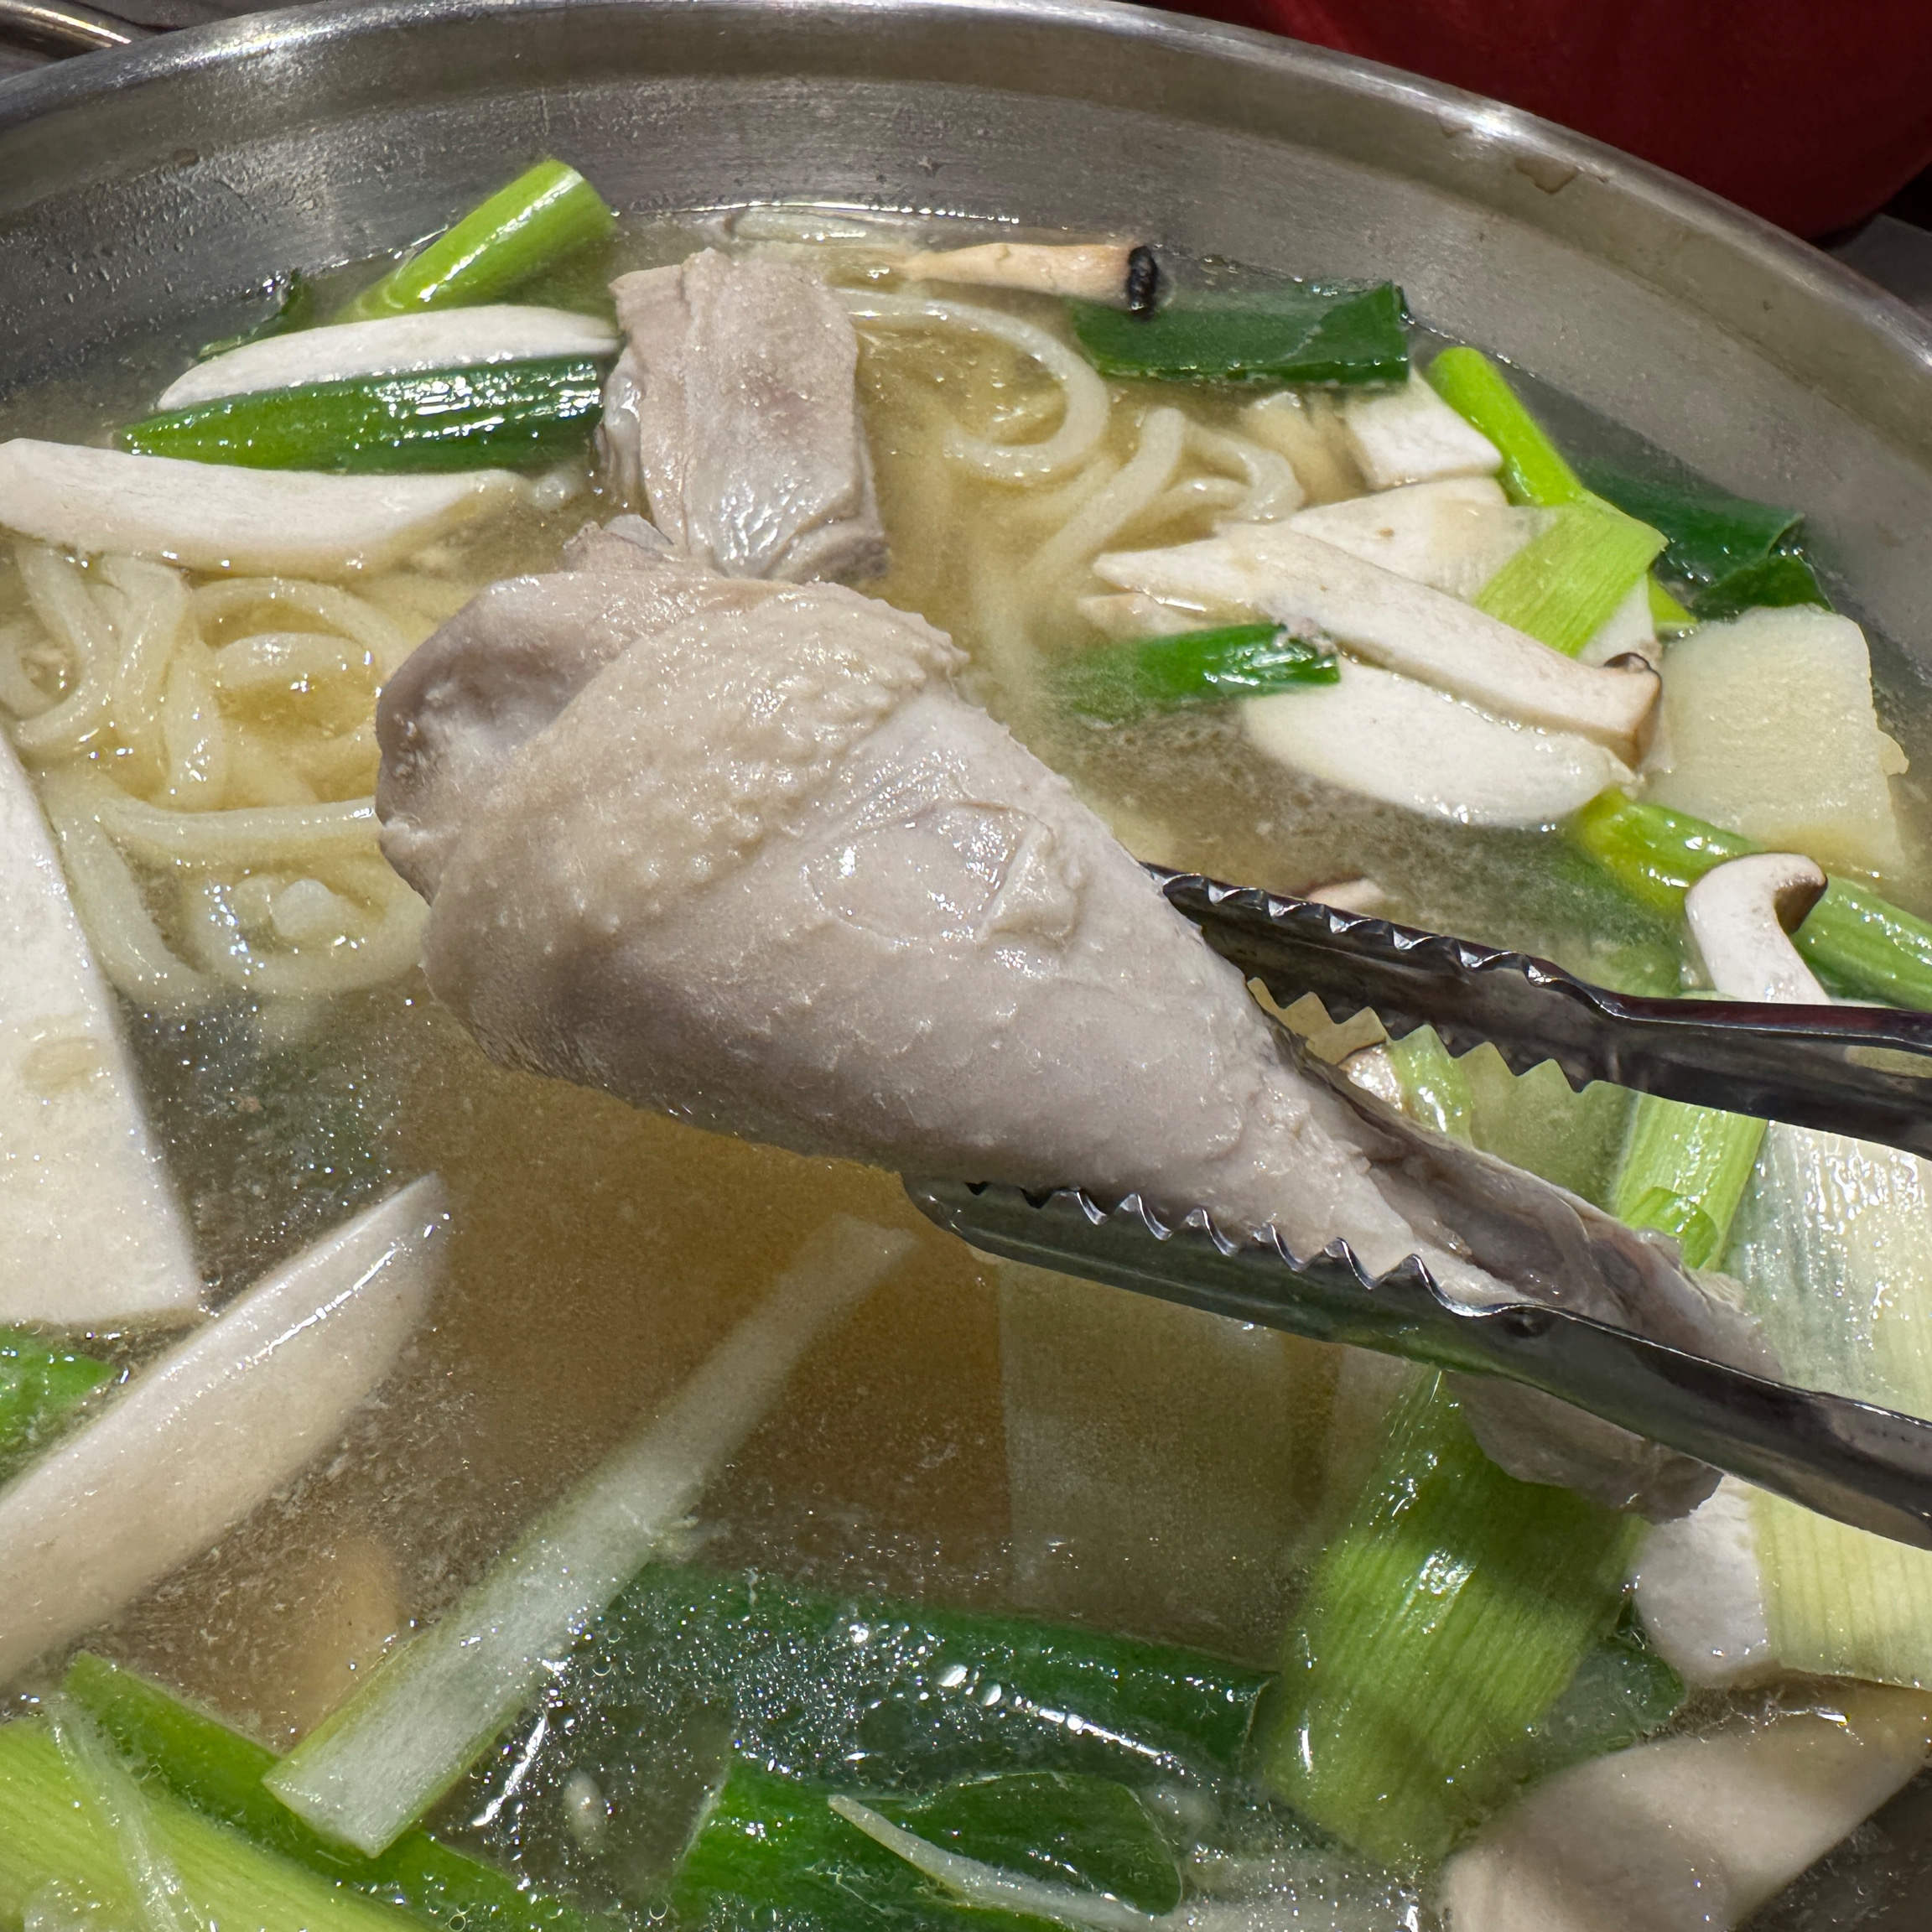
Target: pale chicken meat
(747, 857)
(732, 412)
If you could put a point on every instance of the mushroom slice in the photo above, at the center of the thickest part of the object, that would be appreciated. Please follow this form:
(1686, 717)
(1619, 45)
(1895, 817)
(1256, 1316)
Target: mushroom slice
(1426, 751)
(1740, 916)
(1453, 535)
(1687, 1833)
(1122, 274)
(217, 517)
(1294, 578)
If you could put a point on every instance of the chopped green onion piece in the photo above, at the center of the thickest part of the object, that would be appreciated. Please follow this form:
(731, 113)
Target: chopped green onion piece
(498, 415)
(1537, 1120)
(1061, 1827)
(547, 212)
(1434, 1090)
(1861, 946)
(1566, 583)
(293, 296)
(220, 1772)
(1711, 533)
(1118, 682)
(1736, 554)
(38, 1385)
(770, 1852)
(1651, 851)
(1534, 470)
(1449, 1617)
(49, 1833)
(1864, 947)
(1684, 1172)
(1295, 335)
(910, 1705)
(1782, 579)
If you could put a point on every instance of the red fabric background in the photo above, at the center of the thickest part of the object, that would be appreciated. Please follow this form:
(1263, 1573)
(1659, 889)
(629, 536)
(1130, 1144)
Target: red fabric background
(1809, 112)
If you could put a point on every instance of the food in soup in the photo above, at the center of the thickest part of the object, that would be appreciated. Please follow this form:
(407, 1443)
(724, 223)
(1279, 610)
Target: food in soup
(556, 1511)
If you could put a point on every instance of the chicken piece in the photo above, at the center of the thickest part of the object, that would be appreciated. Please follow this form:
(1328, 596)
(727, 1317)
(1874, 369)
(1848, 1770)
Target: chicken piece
(755, 862)
(733, 411)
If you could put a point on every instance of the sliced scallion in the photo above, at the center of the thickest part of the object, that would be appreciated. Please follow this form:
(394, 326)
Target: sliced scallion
(1447, 1617)
(219, 1772)
(1295, 335)
(547, 212)
(1861, 947)
(1684, 1172)
(496, 416)
(1116, 683)
(38, 1385)
(1434, 1089)
(1563, 585)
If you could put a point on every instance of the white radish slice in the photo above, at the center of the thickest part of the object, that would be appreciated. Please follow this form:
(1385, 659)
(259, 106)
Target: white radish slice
(201, 1436)
(216, 516)
(1410, 745)
(1689, 1833)
(393, 346)
(406, 1737)
(1453, 536)
(1411, 435)
(89, 1233)
(1404, 626)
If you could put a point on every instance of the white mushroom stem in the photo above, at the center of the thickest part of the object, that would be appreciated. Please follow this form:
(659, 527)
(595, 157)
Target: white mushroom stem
(1093, 271)
(1741, 915)
(1404, 626)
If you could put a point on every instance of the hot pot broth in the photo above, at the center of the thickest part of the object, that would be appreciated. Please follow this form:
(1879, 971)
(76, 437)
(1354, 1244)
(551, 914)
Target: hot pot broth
(977, 1436)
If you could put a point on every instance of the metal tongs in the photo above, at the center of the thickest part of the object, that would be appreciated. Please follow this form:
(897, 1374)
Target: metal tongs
(1861, 1070)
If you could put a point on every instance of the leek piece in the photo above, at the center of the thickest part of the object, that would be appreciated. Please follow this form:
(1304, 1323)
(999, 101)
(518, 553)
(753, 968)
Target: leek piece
(889, 1695)
(1782, 579)
(1434, 1090)
(1116, 683)
(770, 1852)
(1534, 470)
(1735, 554)
(50, 1833)
(219, 1772)
(1563, 585)
(1834, 1250)
(38, 1385)
(1684, 1172)
(1293, 335)
(496, 416)
(1711, 532)
(1448, 1617)
(547, 212)
(1861, 946)
(1538, 1121)
(379, 1761)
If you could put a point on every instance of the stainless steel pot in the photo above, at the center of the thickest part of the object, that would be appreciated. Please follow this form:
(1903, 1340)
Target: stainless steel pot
(135, 185)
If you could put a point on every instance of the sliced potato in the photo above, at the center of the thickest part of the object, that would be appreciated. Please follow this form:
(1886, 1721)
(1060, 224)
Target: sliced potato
(1770, 732)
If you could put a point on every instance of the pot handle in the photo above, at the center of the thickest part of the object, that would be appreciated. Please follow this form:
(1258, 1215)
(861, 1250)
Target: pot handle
(65, 27)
